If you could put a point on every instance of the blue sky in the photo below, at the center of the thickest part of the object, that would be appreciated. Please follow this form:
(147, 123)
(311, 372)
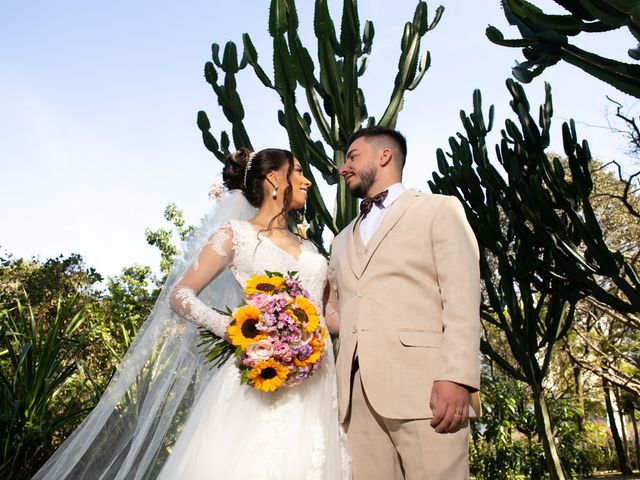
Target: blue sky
(98, 104)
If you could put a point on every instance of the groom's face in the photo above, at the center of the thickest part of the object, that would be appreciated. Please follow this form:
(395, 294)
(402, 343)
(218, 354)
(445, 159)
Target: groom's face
(359, 169)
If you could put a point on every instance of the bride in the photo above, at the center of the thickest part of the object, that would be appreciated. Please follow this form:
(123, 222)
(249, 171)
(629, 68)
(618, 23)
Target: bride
(166, 414)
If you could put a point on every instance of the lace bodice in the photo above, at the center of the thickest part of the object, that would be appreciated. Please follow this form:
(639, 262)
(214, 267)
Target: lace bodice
(255, 253)
(238, 246)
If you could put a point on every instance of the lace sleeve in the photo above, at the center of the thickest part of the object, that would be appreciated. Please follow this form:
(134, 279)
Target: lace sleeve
(214, 257)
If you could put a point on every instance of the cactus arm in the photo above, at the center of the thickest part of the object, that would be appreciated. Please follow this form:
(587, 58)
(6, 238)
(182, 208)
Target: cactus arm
(351, 47)
(408, 62)
(545, 39)
(425, 63)
(330, 83)
(251, 55)
(623, 76)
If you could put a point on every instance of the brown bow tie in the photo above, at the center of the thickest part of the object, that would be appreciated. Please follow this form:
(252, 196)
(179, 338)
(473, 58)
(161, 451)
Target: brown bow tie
(367, 203)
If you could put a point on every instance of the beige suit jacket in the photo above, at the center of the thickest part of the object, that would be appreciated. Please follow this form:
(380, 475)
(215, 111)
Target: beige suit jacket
(409, 303)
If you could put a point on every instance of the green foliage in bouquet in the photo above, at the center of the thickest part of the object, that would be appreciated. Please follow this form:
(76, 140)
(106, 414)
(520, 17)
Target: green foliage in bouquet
(216, 350)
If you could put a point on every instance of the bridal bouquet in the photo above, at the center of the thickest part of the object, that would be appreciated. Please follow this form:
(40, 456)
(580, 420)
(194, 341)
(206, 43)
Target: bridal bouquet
(276, 333)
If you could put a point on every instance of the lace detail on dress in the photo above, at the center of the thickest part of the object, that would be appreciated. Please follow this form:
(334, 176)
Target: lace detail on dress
(253, 255)
(319, 454)
(216, 242)
(345, 455)
(273, 434)
(185, 302)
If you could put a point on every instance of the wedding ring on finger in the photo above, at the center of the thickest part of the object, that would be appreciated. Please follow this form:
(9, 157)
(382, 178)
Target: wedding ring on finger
(458, 413)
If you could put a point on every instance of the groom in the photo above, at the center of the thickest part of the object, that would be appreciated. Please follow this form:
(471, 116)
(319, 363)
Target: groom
(405, 287)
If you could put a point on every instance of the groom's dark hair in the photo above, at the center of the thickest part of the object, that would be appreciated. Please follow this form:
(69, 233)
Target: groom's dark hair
(380, 131)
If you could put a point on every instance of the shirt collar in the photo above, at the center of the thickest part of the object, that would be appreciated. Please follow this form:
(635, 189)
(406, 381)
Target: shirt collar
(395, 191)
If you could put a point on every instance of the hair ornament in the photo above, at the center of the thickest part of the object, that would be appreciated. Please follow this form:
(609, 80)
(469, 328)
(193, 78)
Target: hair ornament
(216, 191)
(248, 167)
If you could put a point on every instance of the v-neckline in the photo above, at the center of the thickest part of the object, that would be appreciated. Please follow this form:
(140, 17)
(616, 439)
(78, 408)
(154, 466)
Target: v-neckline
(275, 245)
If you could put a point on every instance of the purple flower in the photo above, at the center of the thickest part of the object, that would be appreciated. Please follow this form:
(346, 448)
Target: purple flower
(303, 351)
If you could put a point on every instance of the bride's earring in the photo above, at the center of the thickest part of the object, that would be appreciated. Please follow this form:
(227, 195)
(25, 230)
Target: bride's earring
(274, 194)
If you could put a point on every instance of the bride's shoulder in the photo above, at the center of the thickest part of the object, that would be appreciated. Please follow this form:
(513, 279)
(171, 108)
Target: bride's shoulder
(235, 226)
(240, 231)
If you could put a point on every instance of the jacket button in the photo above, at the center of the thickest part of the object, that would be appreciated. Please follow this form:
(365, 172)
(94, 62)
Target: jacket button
(360, 293)
(354, 329)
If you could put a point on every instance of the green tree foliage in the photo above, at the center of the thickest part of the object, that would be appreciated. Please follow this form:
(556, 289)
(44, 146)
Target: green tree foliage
(335, 102)
(167, 240)
(45, 386)
(603, 340)
(63, 331)
(505, 444)
(46, 282)
(497, 450)
(545, 38)
(531, 308)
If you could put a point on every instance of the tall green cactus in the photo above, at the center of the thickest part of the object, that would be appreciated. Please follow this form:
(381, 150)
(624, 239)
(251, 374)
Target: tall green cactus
(542, 246)
(335, 102)
(545, 39)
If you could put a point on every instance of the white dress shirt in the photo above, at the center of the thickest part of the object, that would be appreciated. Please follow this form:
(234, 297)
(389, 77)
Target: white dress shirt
(370, 223)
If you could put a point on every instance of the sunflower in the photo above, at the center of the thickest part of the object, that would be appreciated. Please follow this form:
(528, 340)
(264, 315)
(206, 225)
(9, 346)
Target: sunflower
(263, 284)
(268, 375)
(243, 329)
(305, 312)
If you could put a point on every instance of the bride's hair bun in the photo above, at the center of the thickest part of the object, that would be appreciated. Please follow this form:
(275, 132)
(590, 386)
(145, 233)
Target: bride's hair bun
(234, 168)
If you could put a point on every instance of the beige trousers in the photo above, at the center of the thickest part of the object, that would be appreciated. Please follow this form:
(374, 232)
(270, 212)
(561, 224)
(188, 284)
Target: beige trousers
(388, 449)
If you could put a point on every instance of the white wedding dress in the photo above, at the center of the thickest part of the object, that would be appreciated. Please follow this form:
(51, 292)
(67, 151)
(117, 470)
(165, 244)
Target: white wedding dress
(236, 432)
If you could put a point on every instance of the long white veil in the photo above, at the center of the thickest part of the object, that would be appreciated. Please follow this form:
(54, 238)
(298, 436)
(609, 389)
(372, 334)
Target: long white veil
(129, 434)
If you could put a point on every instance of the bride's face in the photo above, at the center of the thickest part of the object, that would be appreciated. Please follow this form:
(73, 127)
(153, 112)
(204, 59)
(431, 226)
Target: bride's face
(299, 185)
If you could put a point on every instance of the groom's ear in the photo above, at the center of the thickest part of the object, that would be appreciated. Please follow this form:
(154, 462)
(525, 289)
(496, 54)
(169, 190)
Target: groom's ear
(385, 157)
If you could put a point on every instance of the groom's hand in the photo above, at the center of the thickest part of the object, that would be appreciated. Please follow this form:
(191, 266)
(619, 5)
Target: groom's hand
(450, 406)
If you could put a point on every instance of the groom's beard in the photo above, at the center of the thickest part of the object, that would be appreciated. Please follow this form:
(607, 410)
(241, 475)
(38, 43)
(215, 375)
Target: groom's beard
(366, 179)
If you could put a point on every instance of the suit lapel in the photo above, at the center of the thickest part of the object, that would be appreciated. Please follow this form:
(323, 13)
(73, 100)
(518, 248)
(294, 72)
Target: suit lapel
(354, 248)
(395, 213)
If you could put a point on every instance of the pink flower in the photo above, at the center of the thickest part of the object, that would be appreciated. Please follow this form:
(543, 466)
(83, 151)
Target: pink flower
(259, 351)
(295, 335)
(261, 302)
(282, 351)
